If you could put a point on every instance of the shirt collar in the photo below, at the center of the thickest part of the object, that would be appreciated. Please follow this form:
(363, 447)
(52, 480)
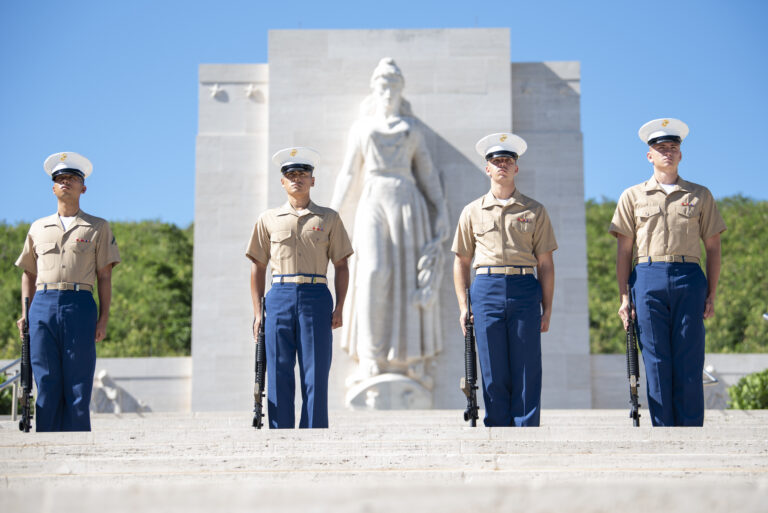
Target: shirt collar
(287, 209)
(80, 219)
(489, 200)
(52, 220)
(653, 185)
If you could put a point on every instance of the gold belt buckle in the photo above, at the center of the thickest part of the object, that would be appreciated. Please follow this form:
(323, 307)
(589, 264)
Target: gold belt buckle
(669, 258)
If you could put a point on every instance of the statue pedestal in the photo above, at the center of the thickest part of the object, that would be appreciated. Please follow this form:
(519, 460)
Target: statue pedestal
(389, 392)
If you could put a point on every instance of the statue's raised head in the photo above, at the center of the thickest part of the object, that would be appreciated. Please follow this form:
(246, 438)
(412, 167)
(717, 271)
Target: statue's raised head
(387, 70)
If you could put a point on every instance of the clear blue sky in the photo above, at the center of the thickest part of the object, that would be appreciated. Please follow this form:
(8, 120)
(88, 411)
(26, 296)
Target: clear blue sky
(117, 82)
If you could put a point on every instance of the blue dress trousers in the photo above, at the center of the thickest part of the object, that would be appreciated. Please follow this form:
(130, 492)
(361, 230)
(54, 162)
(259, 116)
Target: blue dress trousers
(507, 312)
(298, 323)
(669, 303)
(62, 327)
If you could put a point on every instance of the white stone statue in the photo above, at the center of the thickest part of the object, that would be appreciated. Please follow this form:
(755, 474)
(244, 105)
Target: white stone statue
(392, 321)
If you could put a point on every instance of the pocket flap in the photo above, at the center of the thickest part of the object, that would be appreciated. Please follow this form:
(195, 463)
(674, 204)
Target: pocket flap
(482, 228)
(280, 236)
(45, 247)
(647, 211)
(687, 211)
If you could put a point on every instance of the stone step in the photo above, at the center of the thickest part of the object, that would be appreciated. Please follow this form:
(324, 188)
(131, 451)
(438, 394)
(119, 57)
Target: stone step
(533, 494)
(391, 456)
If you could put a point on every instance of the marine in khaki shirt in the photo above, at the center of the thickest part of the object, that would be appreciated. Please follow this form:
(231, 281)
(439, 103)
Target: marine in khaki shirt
(65, 255)
(500, 235)
(659, 225)
(298, 240)
(294, 242)
(504, 235)
(74, 255)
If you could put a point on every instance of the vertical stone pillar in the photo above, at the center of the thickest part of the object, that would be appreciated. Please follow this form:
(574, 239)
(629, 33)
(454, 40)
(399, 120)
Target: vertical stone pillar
(230, 192)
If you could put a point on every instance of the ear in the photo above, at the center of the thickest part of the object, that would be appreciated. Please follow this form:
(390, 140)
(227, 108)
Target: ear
(488, 169)
(313, 182)
(648, 156)
(517, 169)
(84, 189)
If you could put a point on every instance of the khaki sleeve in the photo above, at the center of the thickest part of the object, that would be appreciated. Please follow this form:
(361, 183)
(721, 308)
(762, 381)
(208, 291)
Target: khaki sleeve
(623, 222)
(710, 221)
(259, 245)
(106, 250)
(543, 235)
(339, 246)
(28, 258)
(464, 240)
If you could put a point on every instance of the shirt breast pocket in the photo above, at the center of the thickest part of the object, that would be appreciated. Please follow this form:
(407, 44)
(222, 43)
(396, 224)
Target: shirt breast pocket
(80, 247)
(523, 224)
(281, 245)
(316, 238)
(647, 215)
(47, 253)
(687, 218)
(483, 233)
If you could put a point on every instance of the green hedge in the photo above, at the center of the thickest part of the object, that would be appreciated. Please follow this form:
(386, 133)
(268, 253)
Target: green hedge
(751, 392)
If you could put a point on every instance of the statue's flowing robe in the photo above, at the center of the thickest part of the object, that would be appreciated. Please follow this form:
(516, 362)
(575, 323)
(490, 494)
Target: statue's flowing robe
(392, 226)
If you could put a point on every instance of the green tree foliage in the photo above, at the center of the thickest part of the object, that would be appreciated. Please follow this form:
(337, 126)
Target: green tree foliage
(11, 243)
(742, 293)
(751, 392)
(606, 334)
(742, 296)
(151, 313)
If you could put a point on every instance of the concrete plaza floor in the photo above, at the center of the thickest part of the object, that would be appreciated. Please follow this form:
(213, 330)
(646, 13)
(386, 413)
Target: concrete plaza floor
(577, 461)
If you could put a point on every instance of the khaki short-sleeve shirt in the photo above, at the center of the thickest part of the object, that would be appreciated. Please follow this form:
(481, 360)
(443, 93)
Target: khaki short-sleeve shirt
(299, 243)
(496, 234)
(71, 256)
(667, 224)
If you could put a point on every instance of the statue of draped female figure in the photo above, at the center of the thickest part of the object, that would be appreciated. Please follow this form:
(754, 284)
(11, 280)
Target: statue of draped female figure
(401, 222)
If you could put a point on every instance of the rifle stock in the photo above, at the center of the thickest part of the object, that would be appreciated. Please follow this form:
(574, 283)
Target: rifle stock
(261, 372)
(633, 369)
(25, 423)
(468, 383)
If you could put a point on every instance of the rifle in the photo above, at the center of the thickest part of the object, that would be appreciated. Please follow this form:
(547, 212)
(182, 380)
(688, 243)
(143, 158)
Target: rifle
(261, 372)
(468, 384)
(633, 369)
(26, 375)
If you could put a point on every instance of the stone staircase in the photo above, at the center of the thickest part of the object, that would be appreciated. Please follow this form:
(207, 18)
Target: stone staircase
(579, 460)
